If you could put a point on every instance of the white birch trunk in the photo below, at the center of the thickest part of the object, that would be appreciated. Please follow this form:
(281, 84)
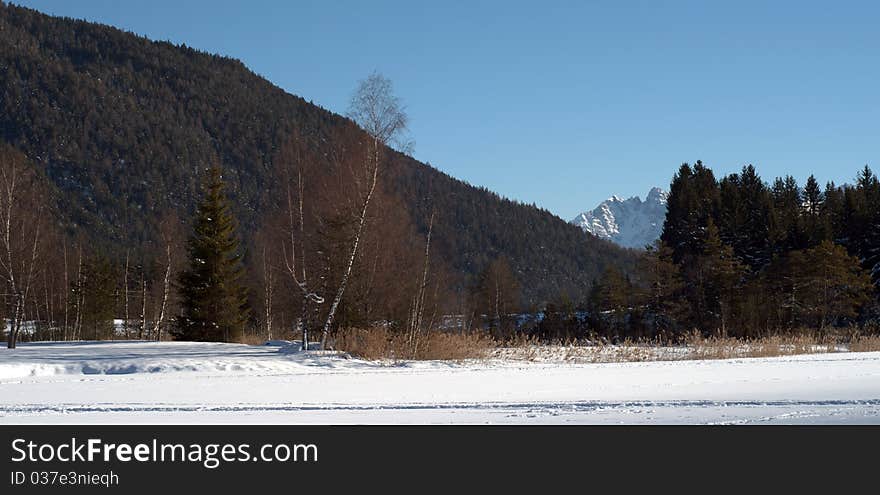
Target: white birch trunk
(354, 248)
(166, 286)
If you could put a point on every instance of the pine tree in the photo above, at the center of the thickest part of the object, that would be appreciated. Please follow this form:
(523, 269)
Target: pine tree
(831, 284)
(213, 302)
(873, 254)
(815, 226)
(832, 212)
(692, 201)
(662, 291)
(610, 301)
(745, 222)
(787, 227)
(869, 223)
(722, 276)
(872, 246)
(813, 196)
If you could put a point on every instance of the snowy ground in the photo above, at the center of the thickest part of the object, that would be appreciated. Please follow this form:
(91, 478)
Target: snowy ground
(146, 382)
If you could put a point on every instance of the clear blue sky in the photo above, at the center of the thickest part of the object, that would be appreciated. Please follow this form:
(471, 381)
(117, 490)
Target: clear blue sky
(566, 103)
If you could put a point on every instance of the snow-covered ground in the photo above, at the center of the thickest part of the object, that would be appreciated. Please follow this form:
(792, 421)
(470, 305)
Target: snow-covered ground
(148, 382)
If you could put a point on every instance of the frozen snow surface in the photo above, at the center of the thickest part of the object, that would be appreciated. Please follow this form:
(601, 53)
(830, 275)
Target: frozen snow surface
(631, 223)
(148, 382)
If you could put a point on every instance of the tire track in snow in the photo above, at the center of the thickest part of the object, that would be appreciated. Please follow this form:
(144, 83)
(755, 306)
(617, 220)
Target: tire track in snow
(567, 407)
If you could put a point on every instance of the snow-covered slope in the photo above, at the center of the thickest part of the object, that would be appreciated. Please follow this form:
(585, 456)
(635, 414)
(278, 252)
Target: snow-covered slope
(631, 223)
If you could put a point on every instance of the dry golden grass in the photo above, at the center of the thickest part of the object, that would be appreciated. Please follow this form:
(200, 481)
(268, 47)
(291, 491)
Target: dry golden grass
(384, 344)
(866, 343)
(776, 345)
(573, 352)
(381, 343)
(694, 347)
(252, 339)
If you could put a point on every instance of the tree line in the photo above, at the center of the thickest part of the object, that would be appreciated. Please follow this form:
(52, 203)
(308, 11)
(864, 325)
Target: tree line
(740, 257)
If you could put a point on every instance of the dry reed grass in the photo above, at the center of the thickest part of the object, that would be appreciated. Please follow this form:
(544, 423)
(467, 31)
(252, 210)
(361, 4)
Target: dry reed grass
(693, 347)
(384, 344)
(252, 339)
(381, 343)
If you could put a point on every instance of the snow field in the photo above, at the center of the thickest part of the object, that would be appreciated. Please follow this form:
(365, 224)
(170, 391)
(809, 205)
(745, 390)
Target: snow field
(178, 382)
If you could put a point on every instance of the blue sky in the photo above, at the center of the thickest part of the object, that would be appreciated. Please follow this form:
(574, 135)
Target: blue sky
(566, 103)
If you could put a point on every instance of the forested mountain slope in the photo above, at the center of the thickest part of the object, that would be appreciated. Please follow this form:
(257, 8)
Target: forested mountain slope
(123, 125)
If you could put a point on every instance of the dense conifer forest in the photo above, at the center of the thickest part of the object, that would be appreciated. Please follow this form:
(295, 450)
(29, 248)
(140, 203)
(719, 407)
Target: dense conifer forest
(745, 258)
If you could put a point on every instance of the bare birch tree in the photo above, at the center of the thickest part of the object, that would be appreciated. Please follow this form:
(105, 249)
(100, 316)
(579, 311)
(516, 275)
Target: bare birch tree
(268, 291)
(142, 327)
(126, 324)
(418, 307)
(65, 334)
(171, 235)
(381, 114)
(80, 292)
(166, 289)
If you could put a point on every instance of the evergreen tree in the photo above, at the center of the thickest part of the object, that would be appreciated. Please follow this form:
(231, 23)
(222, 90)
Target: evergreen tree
(815, 226)
(213, 303)
(813, 197)
(872, 249)
(745, 222)
(662, 292)
(787, 225)
(610, 301)
(869, 221)
(831, 285)
(869, 183)
(872, 260)
(723, 275)
(692, 201)
(832, 212)
(851, 220)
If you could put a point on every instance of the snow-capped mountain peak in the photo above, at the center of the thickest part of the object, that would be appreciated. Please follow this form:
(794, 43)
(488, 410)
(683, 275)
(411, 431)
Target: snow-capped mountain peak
(631, 223)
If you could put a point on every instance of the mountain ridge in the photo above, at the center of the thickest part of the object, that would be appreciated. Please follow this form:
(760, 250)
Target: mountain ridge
(631, 222)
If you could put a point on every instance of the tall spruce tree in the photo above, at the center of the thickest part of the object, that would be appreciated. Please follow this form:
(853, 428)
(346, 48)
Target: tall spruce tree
(745, 222)
(213, 301)
(872, 259)
(722, 275)
(662, 291)
(816, 225)
(868, 244)
(787, 231)
(832, 211)
(692, 201)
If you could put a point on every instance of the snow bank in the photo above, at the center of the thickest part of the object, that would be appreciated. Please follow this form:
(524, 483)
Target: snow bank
(132, 357)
